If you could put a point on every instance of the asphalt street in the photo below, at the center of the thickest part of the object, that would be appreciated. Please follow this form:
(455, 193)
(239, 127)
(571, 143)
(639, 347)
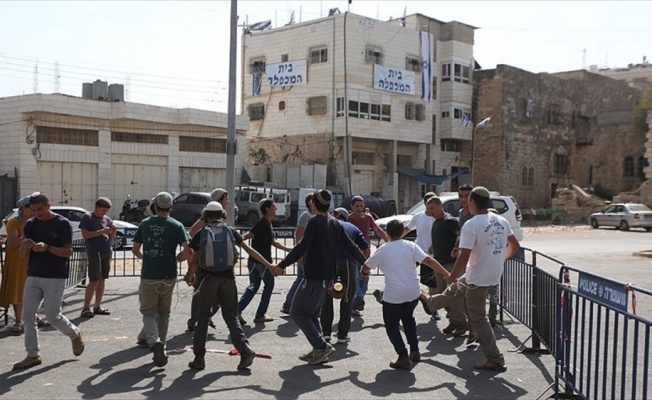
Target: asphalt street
(114, 367)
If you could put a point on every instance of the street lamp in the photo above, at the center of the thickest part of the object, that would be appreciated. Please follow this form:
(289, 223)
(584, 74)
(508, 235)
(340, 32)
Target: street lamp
(481, 124)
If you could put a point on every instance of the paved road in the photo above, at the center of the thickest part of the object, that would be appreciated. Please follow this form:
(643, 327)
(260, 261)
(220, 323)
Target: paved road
(113, 367)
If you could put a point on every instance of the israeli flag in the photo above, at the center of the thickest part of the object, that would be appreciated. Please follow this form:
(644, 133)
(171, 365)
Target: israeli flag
(466, 121)
(426, 68)
(403, 17)
(484, 122)
(261, 26)
(257, 83)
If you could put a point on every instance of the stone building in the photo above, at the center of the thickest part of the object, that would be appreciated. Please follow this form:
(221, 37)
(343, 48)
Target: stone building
(550, 131)
(352, 92)
(76, 149)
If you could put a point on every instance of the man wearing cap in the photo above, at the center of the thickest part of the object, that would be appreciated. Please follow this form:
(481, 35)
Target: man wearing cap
(218, 287)
(365, 223)
(156, 242)
(262, 240)
(48, 241)
(98, 232)
(220, 196)
(486, 242)
(346, 266)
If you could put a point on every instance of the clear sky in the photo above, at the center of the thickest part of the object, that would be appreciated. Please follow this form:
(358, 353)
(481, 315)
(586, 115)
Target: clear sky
(173, 53)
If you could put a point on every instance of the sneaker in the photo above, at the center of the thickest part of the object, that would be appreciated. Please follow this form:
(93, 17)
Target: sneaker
(142, 342)
(471, 339)
(356, 313)
(378, 295)
(403, 362)
(78, 344)
(321, 356)
(342, 340)
(197, 363)
(327, 338)
(17, 329)
(436, 316)
(360, 305)
(242, 320)
(28, 362)
(285, 311)
(450, 328)
(460, 330)
(246, 358)
(264, 318)
(307, 356)
(160, 359)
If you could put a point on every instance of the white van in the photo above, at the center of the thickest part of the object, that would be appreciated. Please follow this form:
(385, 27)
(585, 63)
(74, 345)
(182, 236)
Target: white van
(247, 198)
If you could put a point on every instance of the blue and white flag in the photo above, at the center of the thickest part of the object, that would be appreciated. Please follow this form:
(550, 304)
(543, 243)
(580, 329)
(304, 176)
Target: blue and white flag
(484, 122)
(256, 83)
(260, 26)
(403, 17)
(466, 121)
(426, 68)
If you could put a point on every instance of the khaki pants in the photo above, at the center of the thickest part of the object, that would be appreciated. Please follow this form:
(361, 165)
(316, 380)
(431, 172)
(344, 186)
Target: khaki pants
(155, 303)
(454, 312)
(476, 300)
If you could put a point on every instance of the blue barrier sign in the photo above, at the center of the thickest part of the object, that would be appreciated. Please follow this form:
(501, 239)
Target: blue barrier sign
(278, 234)
(603, 290)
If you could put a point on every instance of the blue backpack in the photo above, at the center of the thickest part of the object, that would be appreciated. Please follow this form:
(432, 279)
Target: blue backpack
(217, 249)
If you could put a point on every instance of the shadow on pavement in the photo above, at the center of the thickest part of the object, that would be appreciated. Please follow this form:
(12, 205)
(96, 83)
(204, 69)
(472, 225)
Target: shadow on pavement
(16, 377)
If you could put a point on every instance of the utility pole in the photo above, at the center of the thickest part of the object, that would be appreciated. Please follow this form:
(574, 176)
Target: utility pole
(230, 135)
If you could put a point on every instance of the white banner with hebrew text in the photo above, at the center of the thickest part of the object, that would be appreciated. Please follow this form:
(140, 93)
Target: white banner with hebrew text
(393, 80)
(286, 74)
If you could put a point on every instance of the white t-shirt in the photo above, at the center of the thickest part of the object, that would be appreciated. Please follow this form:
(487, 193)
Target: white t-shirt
(423, 224)
(397, 260)
(486, 235)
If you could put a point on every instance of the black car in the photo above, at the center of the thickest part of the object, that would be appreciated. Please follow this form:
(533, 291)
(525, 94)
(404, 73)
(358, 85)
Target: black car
(187, 207)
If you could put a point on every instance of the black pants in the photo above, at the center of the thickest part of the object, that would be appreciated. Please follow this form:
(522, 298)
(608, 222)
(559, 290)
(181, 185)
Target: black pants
(214, 289)
(346, 270)
(393, 316)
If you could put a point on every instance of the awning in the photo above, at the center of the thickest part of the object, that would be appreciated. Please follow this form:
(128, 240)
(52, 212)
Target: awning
(421, 175)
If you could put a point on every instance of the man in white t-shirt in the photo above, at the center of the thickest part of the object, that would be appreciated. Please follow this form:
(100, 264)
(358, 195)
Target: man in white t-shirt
(486, 242)
(396, 259)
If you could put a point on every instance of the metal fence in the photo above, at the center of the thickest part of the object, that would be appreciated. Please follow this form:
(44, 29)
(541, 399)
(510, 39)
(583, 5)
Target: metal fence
(78, 264)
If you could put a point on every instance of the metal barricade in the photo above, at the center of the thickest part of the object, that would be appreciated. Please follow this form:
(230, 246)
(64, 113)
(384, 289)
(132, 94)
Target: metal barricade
(603, 348)
(78, 264)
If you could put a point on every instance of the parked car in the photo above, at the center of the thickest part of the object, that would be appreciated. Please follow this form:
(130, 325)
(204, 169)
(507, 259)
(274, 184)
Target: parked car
(187, 207)
(505, 205)
(124, 237)
(247, 198)
(623, 216)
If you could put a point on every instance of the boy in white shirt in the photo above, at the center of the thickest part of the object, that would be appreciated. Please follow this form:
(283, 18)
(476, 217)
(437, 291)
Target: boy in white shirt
(397, 259)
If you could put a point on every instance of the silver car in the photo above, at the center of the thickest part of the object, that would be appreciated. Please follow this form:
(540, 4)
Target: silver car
(624, 216)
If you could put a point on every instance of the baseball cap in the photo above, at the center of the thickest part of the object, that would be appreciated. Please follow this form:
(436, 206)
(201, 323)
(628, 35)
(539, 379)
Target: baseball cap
(214, 206)
(342, 212)
(481, 191)
(163, 200)
(22, 202)
(217, 194)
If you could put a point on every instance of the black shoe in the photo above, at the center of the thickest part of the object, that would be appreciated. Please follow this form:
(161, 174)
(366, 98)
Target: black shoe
(450, 328)
(160, 359)
(197, 363)
(460, 330)
(415, 357)
(378, 295)
(403, 362)
(360, 305)
(246, 358)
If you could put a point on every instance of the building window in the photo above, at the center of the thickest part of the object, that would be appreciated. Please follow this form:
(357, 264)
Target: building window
(360, 109)
(527, 177)
(419, 112)
(524, 176)
(445, 114)
(284, 58)
(138, 138)
(413, 64)
(202, 145)
(450, 145)
(555, 116)
(434, 89)
(462, 73)
(281, 105)
(375, 112)
(445, 72)
(257, 65)
(386, 111)
(340, 107)
(364, 110)
(319, 55)
(561, 164)
(409, 110)
(79, 137)
(458, 113)
(317, 105)
(434, 131)
(363, 158)
(354, 108)
(628, 167)
(256, 111)
(642, 163)
(373, 55)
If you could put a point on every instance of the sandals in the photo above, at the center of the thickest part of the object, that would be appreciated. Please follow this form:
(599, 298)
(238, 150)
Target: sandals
(87, 313)
(490, 366)
(101, 311)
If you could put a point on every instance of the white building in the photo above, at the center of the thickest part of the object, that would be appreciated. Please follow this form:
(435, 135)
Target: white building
(76, 149)
(346, 91)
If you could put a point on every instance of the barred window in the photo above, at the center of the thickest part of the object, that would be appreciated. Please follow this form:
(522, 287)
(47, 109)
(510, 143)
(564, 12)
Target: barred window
(202, 145)
(419, 112)
(138, 138)
(409, 110)
(257, 65)
(256, 111)
(373, 55)
(317, 105)
(319, 55)
(561, 164)
(81, 137)
(413, 64)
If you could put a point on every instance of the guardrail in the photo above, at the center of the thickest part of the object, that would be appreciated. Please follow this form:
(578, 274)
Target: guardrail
(78, 264)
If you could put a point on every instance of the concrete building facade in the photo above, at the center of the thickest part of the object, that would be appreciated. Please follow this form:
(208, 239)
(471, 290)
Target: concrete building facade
(550, 131)
(77, 149)
(338, 105)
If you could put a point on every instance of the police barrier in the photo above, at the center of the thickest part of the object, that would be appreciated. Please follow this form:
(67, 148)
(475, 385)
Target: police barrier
(603, 348)
(78, 264)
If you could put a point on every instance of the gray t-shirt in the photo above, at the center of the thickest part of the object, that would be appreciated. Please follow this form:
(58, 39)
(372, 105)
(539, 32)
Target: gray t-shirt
(92, 223)
(462, 217)
(303, 219)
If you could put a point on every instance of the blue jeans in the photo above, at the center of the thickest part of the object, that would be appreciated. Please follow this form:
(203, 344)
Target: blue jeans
(293, 289)
(257, 273)
(361, 286)
(393, 314)
(306, 310)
